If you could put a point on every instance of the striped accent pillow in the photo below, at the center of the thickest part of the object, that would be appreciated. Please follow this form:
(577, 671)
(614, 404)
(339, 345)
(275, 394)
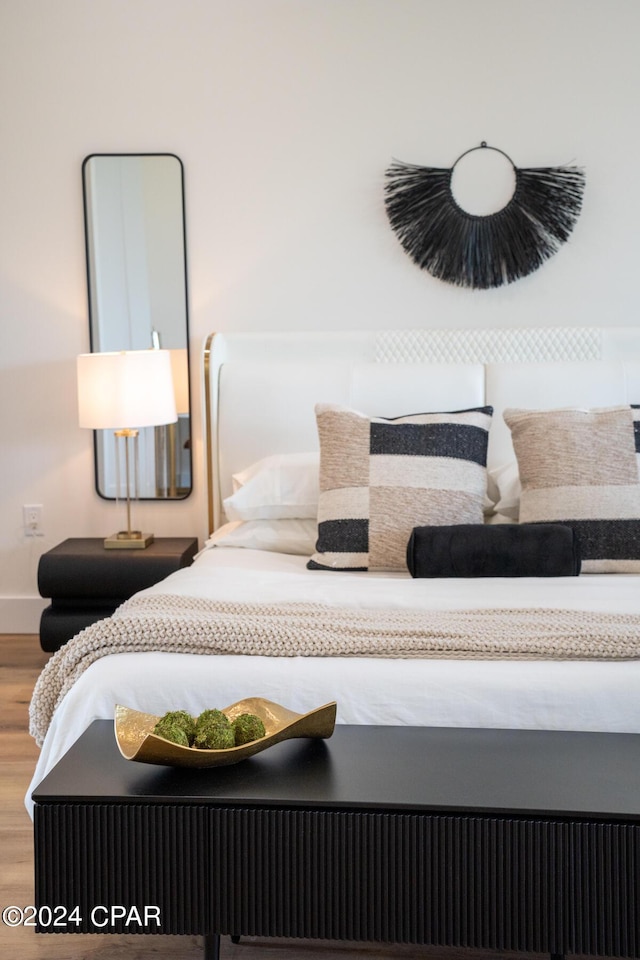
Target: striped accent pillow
(381, 478)
(582, 467)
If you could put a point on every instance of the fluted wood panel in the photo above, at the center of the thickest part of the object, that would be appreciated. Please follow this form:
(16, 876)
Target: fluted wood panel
(503, 883)
(603, 888)
(131, 855)
(404, 878)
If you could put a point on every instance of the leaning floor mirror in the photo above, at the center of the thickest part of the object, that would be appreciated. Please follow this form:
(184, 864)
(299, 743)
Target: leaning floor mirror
(137, 287)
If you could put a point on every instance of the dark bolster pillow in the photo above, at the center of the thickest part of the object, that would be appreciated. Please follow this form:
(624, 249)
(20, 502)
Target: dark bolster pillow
(500, 550)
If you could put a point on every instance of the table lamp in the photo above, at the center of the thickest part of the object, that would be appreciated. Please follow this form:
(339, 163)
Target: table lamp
(123, 392)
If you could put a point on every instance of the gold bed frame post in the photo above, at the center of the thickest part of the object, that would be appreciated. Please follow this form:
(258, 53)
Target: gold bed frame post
(207, 421)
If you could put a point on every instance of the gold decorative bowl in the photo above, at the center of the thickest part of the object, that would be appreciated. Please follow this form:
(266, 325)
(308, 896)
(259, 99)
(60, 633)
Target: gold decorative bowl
(136, 741)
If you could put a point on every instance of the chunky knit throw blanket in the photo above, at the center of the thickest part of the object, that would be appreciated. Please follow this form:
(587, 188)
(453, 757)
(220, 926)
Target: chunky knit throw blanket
(175, 624)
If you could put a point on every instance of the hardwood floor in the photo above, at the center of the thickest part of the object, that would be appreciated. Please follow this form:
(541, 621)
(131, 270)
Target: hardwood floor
(21, 659)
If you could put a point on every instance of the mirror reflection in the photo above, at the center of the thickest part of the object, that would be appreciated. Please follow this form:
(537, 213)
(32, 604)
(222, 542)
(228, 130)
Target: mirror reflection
(136, 270)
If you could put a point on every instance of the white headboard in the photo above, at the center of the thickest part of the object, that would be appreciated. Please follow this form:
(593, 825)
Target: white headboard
(261, 388)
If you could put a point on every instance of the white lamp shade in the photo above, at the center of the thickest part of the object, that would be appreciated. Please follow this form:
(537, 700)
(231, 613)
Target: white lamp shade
(128, 389)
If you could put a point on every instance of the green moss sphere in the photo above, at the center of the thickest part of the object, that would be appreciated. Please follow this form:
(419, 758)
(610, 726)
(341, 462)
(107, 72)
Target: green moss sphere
(247, 727)
(182, 719)
(213, 731)
(171, 730)
(207, 716)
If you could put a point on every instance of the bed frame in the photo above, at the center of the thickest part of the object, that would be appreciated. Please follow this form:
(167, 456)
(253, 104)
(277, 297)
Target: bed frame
(272, 381)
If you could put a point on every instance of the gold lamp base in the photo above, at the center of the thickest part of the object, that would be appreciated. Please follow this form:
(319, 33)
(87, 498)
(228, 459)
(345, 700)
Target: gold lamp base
(128, 540)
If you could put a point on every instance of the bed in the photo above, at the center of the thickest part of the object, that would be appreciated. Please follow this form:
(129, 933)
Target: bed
(178, 643)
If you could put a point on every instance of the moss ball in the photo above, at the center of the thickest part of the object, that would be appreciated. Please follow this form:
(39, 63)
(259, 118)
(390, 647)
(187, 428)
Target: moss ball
(182, 719)
(213, 731)
(171, 730)
(247, 727)
(213, 736)
(209, 715)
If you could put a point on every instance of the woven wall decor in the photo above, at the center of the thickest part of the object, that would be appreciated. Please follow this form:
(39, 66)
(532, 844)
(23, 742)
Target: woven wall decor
(482, 251)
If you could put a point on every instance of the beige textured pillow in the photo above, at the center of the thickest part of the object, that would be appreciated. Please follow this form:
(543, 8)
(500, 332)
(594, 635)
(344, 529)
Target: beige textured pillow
(381, 478)
(582, 467)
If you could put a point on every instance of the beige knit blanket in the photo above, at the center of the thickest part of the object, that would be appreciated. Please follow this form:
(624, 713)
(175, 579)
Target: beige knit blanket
(186, 625)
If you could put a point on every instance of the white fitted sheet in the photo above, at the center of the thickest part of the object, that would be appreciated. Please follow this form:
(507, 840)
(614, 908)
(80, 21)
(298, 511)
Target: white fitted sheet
(554, 695)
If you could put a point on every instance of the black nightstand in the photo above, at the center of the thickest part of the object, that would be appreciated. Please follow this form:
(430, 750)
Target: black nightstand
(86, 582)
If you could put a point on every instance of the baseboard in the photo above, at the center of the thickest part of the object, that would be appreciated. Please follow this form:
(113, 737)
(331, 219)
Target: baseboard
(21, 614)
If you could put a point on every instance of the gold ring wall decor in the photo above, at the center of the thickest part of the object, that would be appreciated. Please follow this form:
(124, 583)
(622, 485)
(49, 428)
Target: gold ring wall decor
(482, 251)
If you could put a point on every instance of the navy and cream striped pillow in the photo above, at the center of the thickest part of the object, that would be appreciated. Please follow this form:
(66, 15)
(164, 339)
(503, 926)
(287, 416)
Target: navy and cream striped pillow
(381, 478)
(582, 468)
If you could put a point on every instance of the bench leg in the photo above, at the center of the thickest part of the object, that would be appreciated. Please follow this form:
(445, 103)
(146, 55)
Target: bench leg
(212, 946)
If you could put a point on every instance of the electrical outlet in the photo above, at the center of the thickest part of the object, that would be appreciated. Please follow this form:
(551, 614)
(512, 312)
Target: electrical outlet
(32, 519)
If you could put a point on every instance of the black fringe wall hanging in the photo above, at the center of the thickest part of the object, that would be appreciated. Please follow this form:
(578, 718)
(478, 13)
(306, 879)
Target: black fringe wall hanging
(482, 251)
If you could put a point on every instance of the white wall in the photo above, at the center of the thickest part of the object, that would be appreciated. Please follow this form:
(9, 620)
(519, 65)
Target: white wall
(285, 114)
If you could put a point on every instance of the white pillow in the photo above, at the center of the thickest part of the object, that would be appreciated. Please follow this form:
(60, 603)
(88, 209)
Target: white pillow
(280, 536)
(279, 487)
(505, 480)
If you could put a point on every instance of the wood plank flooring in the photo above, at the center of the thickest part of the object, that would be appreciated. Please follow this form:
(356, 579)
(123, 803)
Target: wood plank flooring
(21, 659)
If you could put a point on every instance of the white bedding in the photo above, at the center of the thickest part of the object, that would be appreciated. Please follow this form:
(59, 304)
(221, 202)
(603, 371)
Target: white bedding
(569, 695)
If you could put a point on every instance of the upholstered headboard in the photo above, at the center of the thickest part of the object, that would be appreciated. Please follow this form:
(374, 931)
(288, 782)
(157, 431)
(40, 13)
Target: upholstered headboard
(261, 389)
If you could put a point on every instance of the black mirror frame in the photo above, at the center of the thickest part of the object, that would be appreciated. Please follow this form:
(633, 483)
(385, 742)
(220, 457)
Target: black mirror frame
(189, 491)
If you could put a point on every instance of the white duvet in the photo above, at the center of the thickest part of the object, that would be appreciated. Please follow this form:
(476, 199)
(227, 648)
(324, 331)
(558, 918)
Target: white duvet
(567, 695)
